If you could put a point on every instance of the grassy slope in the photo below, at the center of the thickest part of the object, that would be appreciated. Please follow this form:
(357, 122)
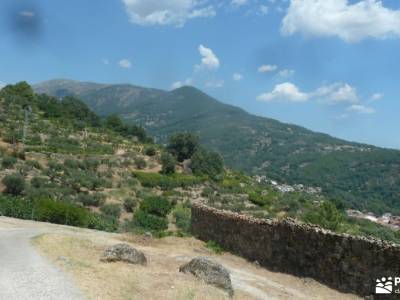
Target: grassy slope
(363, 176)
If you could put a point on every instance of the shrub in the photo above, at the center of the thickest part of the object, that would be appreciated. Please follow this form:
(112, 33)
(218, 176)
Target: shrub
(91, 199)
(15, 207)
(34, 164)
(182, 217)
(148, 221)
(183, 145)
(8, 162)
(208, 163)
(327, 216)
(168, 163)
(156, 205)
(140, 163)
(130, 204)
(15, 184)
(38, 182)
(214, 246)
(111, 210)
(150, 151)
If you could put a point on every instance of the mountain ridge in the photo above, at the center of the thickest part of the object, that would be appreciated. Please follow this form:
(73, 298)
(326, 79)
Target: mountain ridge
(361, 174)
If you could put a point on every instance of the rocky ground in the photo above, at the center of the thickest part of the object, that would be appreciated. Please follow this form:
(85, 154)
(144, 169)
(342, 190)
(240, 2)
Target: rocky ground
(77, 253)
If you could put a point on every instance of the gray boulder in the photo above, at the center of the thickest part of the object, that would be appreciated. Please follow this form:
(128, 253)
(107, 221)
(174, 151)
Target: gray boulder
(210, 272)
(125, 253)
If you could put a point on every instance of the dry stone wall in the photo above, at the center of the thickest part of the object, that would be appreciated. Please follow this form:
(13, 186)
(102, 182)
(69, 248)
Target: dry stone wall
(346, 263)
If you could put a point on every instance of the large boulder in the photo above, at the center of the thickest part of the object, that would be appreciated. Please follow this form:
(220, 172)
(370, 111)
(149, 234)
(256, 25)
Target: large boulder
(210, 272)
(125, 253)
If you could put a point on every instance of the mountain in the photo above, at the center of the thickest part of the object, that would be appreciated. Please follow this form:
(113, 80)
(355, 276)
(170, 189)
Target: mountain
(363, 176)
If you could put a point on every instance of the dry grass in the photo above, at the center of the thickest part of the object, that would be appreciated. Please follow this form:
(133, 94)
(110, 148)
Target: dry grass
(160, 279)
(79, 252)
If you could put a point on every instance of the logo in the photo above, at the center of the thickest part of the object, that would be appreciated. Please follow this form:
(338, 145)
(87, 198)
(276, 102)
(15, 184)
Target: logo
(384, 286)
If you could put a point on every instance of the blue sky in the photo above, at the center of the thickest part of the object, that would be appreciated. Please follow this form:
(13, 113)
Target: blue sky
(329, 65)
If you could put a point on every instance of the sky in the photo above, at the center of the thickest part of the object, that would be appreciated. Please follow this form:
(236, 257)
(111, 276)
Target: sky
(329, 65)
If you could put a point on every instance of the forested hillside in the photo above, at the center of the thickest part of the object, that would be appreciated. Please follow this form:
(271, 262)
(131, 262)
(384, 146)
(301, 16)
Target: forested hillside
(363, 176)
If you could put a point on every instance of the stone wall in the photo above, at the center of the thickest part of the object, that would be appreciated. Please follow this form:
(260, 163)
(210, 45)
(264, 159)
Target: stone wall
(343, 262)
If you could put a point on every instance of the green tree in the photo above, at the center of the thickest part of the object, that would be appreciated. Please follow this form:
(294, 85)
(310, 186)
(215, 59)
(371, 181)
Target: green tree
(15, 184)
(208, 163)
(327, 216)
(168, 163)
(183, 145)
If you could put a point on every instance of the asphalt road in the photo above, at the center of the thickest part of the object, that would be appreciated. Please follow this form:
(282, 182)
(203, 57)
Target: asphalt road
(24, 274)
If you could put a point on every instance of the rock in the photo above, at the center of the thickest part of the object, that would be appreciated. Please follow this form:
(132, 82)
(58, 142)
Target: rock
(210, 272)
(148, 235)
(125, 253)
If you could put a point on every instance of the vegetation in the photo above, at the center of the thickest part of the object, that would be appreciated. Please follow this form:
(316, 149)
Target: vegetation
(363, 176)
(78, 169)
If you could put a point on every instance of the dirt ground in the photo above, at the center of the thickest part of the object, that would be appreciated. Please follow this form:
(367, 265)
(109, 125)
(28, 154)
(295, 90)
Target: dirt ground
(77, 252)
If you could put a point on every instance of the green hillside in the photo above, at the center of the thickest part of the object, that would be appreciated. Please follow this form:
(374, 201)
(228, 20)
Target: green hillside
(363, 176)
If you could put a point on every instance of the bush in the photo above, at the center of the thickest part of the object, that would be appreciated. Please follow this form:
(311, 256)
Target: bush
(150, 151)
(156, 205)
(183, 145)
(207, 163)
(168, 163)
(111, 210)
(182, 217)
(130, 204)
(15, 184)
(140, 163)
(150, 222)
(8, 162)
(327, 216)
(214, 246)
(91, 199)
(15, 207)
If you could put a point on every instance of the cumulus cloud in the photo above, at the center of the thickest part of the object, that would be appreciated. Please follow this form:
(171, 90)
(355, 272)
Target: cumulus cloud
(209, 60)
(267, 68)
(27, 14)
(339, 18)
(125, 63)
(167, 12)
(284, 92)
(237, 76)
(179, 84)
(335, 93)
(361, 109)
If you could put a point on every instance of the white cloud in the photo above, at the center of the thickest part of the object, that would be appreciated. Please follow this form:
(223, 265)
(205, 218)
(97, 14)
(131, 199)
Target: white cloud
(209, 60)
(284, 92)
(105, 61)
(361, 109)
(239, 2)
(179, 84)
(167, 12)
(350, 22)
(2, 84)
(215, 84)
(337, 93)
(377, 96)
(286, 73)
(237, 76)
(125, 63)
(267, 68)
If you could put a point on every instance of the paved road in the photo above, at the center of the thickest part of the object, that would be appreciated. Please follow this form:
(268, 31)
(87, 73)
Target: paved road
(25, 275)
